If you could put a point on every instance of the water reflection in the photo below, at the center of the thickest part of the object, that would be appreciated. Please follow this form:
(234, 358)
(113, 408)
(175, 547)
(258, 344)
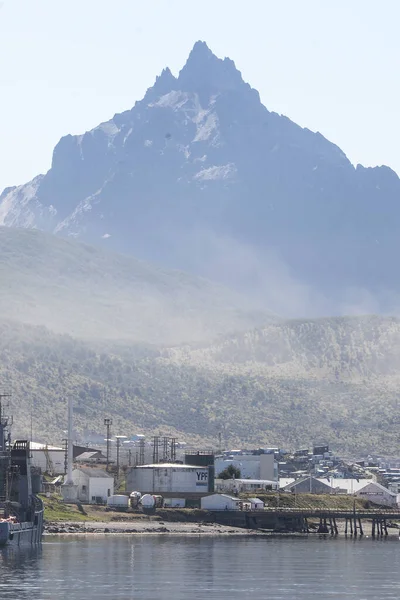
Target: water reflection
(179, 568)
(20, 572)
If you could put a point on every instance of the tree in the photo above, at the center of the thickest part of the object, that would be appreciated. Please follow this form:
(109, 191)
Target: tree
(230, 472)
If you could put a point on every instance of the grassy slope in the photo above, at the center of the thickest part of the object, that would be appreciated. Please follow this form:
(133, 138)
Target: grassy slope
(318, 501)
(57, 511)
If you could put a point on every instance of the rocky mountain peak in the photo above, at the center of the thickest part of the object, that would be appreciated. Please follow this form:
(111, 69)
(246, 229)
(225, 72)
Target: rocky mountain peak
(165, 83)
(205, 72)
(199, 174)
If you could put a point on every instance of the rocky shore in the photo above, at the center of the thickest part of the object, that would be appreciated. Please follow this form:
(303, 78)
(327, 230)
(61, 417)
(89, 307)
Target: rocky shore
(146, 527)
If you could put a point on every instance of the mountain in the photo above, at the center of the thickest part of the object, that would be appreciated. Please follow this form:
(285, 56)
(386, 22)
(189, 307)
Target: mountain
(353, 349)
(92, 293)
(289, 384)
(200, 176)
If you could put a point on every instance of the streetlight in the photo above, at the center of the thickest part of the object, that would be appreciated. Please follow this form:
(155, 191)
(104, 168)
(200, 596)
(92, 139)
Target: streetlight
(108, 423)
(119, 438)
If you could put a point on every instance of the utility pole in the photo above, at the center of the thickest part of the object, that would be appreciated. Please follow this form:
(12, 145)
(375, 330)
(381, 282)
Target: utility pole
(108, 423)
(65, 455)
(70, 448)
(141, 453)
(4, 420)
(119, 438)
(31, 421)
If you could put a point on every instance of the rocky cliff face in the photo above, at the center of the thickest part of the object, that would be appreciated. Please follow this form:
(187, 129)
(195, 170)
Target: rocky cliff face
(200, 175)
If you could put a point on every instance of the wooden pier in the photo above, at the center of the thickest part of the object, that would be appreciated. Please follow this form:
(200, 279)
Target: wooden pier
(298, 520)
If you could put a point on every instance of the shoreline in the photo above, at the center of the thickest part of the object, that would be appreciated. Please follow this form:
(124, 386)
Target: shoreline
(183, 528)
(146, 528)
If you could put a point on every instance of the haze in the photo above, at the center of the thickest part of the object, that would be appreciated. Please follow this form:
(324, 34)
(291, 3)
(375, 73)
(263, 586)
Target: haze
(68, 65)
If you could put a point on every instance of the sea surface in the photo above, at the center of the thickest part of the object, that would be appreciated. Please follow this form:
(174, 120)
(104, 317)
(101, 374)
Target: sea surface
(189, 568)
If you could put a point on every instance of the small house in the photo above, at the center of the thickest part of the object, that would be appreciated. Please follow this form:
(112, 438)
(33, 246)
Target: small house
(94, 485)
(220, 502)
(256, 503)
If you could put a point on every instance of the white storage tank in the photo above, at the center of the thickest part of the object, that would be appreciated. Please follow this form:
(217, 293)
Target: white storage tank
(148, 502)
(168, 477)
(134, 499)
(118, 502)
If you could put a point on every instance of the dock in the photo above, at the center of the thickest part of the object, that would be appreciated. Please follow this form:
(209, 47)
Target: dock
(298, 520)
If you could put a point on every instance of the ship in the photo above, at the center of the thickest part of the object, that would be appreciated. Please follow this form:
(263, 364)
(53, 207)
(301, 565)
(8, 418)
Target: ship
(21, 510)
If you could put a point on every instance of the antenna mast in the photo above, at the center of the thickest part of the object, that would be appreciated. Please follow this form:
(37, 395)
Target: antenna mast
(70, 447)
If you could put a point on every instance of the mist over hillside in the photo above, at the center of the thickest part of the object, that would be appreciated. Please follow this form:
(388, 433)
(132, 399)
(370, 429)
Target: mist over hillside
(337, 348)
(200, 176)
(285, 395)
(91, 293)
(247, 216)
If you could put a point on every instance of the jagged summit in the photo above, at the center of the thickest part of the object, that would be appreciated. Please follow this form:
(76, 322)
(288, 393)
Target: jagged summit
(164, 83)
(199, 175)
(200, 51)
(205, 72)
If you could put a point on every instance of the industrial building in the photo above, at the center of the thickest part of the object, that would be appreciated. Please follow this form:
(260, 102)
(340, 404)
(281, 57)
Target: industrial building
(94, 485)
(251, 465)
(377, 493)
(366, 489)
(162, 478)
(49, 459)
(52, 459)
(308, 485)
(91, 457)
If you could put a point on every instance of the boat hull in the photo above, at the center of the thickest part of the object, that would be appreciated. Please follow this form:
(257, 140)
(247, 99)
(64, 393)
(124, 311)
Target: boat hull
(22, 533)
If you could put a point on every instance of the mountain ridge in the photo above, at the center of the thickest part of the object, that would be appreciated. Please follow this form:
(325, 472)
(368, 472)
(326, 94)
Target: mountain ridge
(200, 176)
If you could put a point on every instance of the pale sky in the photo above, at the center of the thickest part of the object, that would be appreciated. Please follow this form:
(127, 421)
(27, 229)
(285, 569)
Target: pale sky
(67, 65)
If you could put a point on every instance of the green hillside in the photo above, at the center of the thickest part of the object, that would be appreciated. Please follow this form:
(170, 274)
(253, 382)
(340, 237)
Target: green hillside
(194, 394)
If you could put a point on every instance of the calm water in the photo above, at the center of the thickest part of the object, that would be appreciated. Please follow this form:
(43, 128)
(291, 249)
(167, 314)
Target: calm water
(178, 568)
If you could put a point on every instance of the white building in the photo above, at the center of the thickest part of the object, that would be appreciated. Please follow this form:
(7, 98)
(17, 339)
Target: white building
(377, 493)
(251, 466)
(50, 459)
(94, 485)
(256, 503)
(220, 502)
(367, 489)
(394, 486)
(342, 485)
(238, 486)
(168, 478)
(284, 481)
